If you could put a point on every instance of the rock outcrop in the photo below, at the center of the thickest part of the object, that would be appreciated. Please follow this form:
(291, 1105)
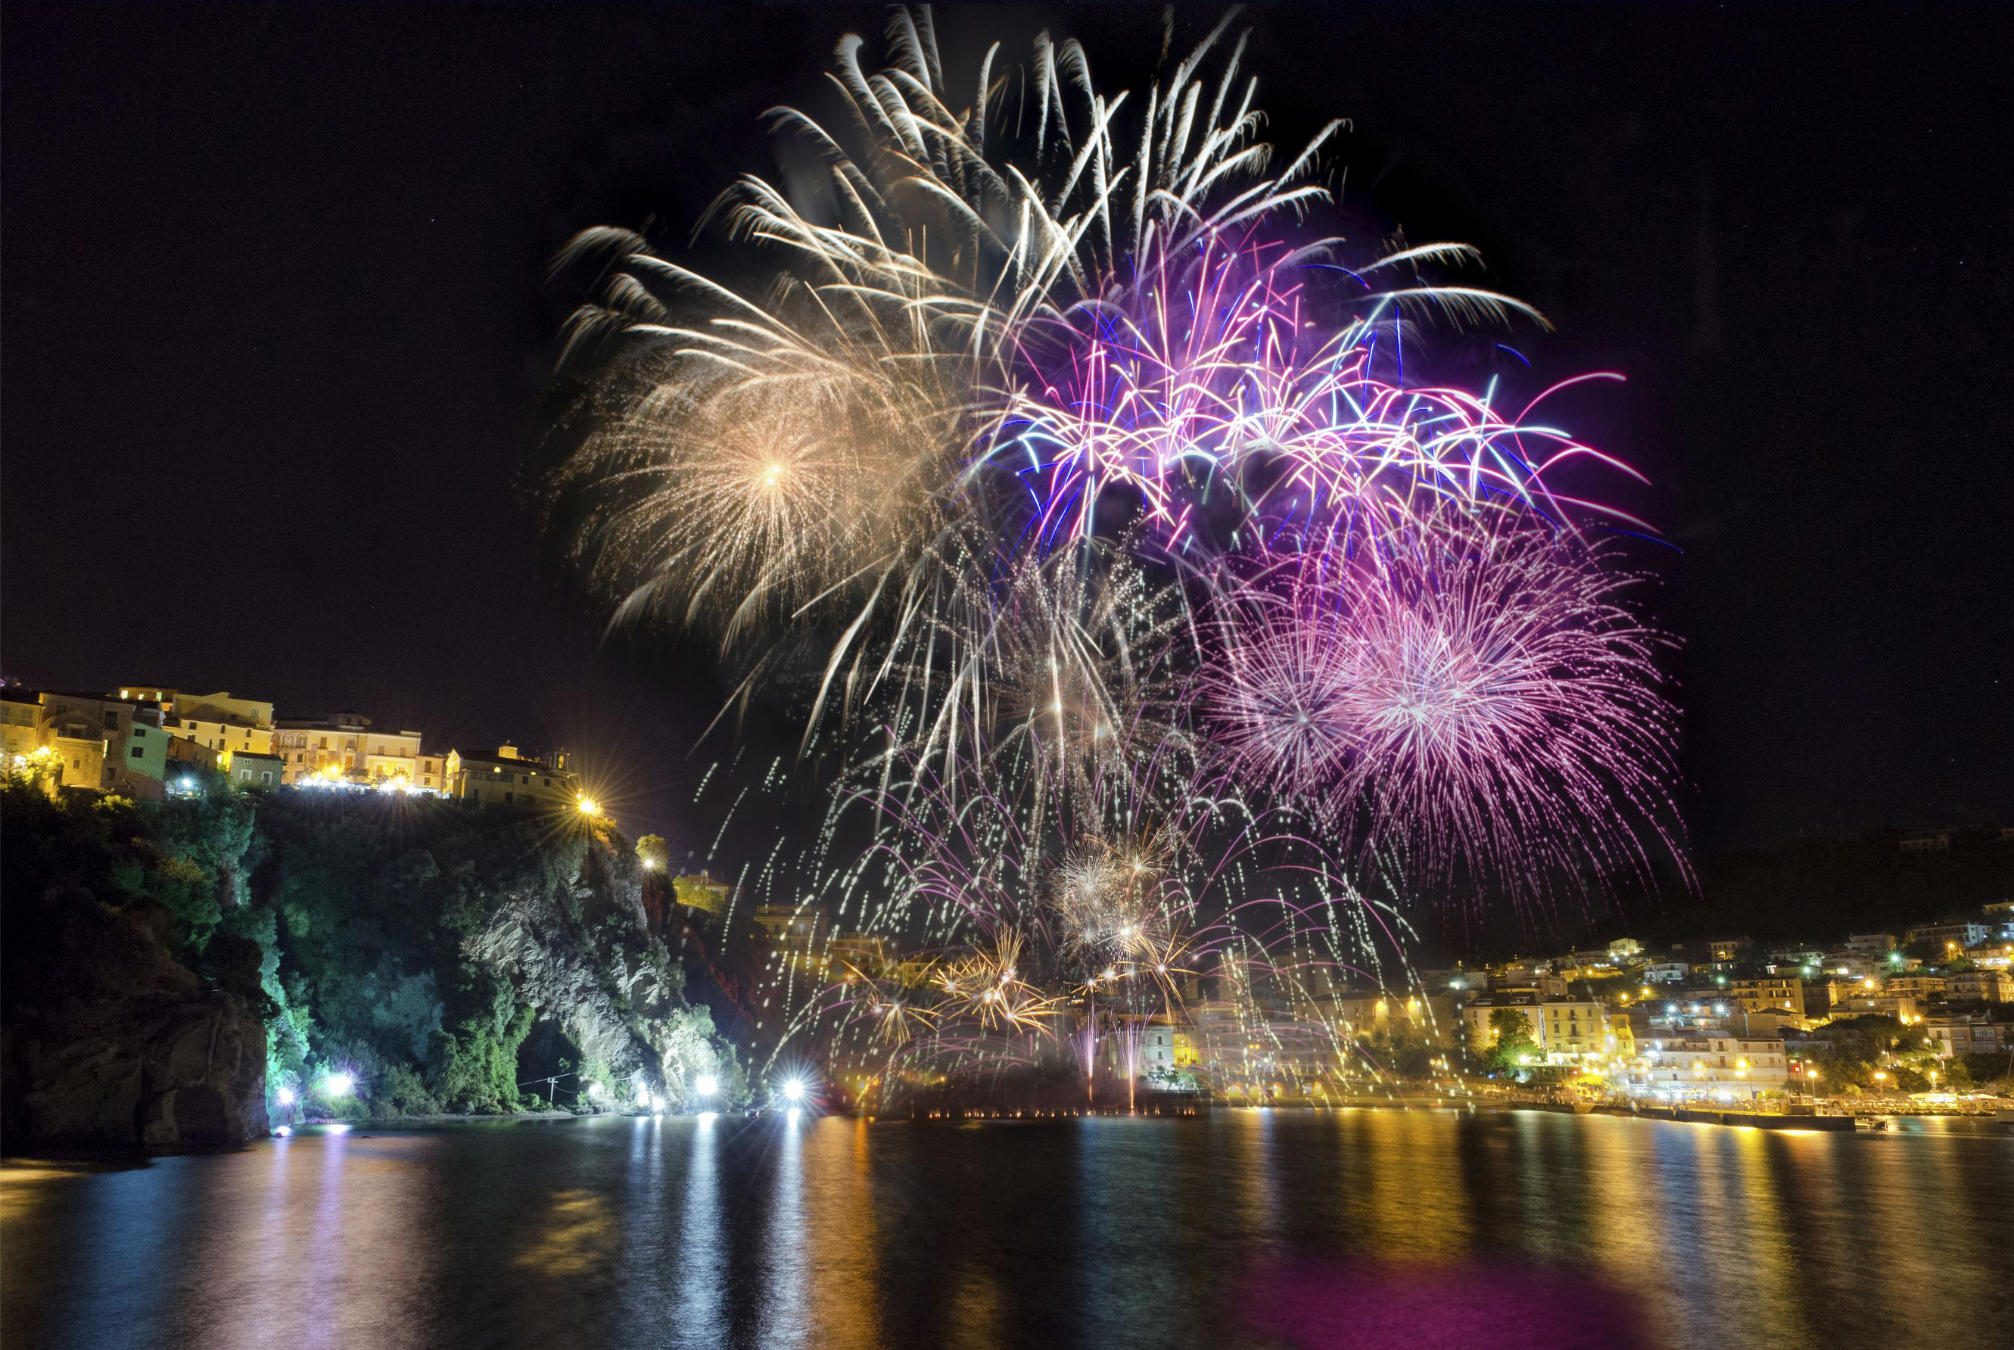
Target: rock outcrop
(110, 1044)
(584, 957)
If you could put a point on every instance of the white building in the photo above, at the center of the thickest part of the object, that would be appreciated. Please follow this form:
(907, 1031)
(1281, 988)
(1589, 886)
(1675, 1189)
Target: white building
(1967, 1034)
(1711, 1063)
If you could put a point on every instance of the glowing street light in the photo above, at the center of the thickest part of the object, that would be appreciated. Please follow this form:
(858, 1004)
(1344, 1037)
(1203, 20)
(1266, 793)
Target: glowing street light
(706, 1085)
(793, 1089)
(285, 1096)
(339, 1084)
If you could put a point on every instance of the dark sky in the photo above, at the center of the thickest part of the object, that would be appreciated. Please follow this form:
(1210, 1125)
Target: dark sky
(276, 325)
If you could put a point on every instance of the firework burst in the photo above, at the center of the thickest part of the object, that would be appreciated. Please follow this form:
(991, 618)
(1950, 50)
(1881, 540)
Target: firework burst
(1135, 557)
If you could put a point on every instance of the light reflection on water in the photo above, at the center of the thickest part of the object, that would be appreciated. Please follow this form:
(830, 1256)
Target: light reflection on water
(1363, 1228)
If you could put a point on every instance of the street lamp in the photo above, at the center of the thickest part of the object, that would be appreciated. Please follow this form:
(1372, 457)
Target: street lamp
(793, 1089)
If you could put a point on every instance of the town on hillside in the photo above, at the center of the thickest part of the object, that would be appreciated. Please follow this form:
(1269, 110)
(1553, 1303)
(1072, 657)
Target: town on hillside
(151, 742)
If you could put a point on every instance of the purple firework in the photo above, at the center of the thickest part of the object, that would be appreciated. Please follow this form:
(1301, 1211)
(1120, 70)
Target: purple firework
(1480, 701)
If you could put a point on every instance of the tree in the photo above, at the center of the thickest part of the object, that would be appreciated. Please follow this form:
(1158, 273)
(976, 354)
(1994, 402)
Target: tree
(654, 853)
(1513, 1047)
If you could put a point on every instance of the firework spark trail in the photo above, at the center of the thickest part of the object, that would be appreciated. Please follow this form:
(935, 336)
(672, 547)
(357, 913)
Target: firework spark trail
(1067, 474)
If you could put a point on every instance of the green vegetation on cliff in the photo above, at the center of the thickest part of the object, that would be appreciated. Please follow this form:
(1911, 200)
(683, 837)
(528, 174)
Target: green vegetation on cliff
(410, 944)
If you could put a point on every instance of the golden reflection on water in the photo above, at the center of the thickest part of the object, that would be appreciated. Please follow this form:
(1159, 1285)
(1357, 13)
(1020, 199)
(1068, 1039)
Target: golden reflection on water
(25, 1186)
(1765, 1251)
(1627, 1216)
(1417, 1205)
(1256, 1203)
(840, 1219)
(978, 1310)
(575, 1234)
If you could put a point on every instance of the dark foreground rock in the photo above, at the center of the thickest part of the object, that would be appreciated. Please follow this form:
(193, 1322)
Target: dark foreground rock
(110, 1045)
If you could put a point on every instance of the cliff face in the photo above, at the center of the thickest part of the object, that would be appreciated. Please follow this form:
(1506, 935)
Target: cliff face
(582, 954)
(110, 1044)
(170, 968)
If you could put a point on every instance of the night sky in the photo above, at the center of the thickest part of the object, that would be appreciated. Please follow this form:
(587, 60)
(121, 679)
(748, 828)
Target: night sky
(277, 327)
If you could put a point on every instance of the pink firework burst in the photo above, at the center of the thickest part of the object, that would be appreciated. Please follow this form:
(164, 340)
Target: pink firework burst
(1481, 702)
(1278, 702)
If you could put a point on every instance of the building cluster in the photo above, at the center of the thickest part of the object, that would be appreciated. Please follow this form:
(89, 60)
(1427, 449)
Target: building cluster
(1724, 1019)
(1728, 1018)
(149, 742)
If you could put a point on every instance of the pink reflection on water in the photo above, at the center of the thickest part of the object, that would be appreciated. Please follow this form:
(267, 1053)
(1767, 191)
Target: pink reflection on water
(1374, 1305)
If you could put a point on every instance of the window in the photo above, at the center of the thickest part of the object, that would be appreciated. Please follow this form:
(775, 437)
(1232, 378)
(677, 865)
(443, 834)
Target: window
(137, 752)
(111, 719)
(324, 744)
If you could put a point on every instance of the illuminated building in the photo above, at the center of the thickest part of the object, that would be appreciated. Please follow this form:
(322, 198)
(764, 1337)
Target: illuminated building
(219, 707)
(1922, 988)
(1945, 936)
(187, 754)
(1967, 1034)
(1783, 993)
(221, 721)
(348, 745)
(223, 737)
(158, 693)
(509, 778)
(701, 893)
(20, 712)
(1400, 1017)
(94, 741)
(1565, 1030)
(1168, 1043)
(1713, 1064)
(1570, 1030)
(1861, 1002)
(1979, 986)
(249, 768)
(1867, 946)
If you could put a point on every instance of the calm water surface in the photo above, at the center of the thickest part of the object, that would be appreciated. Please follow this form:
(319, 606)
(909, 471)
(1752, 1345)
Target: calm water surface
(1374, 1228)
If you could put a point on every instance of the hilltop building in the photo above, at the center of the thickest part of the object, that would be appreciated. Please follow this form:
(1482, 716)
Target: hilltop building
(92, 741)
(510, 777)
(348, 745)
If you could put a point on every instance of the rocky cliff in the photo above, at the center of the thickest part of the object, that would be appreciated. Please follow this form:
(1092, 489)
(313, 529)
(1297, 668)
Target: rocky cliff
(110, 1044)
(172, 968)
(581, 953)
